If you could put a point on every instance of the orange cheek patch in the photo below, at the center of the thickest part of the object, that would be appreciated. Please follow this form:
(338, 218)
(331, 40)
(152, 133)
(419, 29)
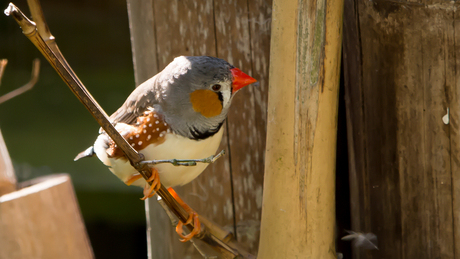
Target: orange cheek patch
(206, 102)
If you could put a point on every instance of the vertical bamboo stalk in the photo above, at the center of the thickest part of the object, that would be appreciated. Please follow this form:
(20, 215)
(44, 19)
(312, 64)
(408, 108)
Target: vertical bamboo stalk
(298, 213)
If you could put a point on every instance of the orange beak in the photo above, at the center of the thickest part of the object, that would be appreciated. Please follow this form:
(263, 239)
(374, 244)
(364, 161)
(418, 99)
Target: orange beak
(240, 79)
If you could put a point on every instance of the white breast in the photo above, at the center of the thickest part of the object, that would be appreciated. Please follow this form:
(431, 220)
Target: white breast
(174, 146)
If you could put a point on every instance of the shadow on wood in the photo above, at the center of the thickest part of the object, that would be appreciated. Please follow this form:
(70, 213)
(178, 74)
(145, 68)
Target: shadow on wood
(400, 68)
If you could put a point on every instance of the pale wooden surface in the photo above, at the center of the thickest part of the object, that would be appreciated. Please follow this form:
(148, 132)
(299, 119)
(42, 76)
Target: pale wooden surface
(43, 221)
(401, 61)
(298, 216)
(7, 177)
(141, 26)
(238, 31)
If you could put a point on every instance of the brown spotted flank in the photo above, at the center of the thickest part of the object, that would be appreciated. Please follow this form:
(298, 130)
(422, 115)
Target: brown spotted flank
(149, 128)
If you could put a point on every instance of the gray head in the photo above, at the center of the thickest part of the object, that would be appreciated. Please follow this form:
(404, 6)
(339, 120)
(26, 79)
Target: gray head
(195, 93)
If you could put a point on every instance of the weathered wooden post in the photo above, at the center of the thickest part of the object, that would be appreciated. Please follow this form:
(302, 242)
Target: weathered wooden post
(298, 215)
(402, 97)
(43, 221)
(229, 192)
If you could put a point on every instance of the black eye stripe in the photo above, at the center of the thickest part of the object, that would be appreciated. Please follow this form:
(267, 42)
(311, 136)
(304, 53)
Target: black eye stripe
(221, 98)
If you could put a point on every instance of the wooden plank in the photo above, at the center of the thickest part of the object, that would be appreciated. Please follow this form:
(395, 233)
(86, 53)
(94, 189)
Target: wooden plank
(453, 60)
(358, 179)
(380, 129)
(143, 39)
(406, 87)
(222, 29)
(187, 28)
(143, 45)
(298, 214)
(247, 118)
(43, 221)
(429, 193)
(184, 28)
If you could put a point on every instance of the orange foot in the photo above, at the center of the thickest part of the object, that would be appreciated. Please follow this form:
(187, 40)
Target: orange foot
(192, 216)
(151, 189)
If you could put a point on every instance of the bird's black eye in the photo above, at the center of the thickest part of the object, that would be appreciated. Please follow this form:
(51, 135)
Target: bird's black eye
(216, 87)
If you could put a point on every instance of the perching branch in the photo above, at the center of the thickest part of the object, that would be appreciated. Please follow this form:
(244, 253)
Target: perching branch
(184, 162)
(41, 37)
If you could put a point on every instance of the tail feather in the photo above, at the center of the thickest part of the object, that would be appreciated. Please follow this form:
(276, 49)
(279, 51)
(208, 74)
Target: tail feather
(89, 152)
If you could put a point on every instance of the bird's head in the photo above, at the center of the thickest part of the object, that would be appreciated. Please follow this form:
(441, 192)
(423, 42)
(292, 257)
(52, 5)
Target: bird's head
(199, 90)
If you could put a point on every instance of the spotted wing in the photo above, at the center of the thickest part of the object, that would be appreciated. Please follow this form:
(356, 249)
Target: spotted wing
(148, 129)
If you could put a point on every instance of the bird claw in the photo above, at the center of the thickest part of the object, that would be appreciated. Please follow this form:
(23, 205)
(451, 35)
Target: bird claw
(196, 229)
(149, 191)
(193, 216)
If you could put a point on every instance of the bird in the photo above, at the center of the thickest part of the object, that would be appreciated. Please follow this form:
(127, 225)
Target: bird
(176, 114)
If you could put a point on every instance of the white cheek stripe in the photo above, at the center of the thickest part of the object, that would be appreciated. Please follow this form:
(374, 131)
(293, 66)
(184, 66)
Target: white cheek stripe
(226, 96)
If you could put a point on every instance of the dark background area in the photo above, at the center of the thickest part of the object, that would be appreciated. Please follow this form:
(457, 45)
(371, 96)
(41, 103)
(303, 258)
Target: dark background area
(46, 127)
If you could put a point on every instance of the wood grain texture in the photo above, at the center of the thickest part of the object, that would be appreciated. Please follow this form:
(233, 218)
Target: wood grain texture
(454, 103)
(229, 192)
(145, 60)
(143, 39)
(359, 181)
(43, 221)
(247, 121)
(400, 76)
(187, 28)
(298, 215)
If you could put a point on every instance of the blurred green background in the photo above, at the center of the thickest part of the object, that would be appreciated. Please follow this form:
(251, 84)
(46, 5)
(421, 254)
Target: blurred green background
(46, 127)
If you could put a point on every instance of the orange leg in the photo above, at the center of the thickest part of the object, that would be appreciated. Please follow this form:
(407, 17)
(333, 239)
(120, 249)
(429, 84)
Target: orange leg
(192, 216)
(132, 179)
(151, 189)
